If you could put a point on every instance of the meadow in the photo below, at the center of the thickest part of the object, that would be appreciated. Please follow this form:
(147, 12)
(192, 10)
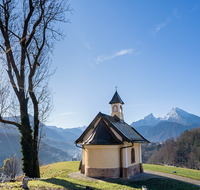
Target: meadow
(184, 172)
(55, 176)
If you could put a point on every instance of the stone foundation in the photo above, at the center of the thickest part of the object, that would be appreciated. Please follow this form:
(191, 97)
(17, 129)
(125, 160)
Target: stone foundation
(102, 172)
(132, 170)
(112, 172)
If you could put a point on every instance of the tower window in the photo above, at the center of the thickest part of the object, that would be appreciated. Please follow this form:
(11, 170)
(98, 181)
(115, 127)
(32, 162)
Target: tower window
(115, 108)
(132, 155)
(121, 109)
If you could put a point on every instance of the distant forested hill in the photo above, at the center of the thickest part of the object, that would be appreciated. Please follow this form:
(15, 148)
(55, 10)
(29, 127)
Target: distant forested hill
(10, 145)
(183, 152)
(59, 143)
(166, 130)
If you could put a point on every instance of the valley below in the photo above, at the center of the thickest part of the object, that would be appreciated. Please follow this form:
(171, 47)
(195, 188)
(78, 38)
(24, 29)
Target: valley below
(58, 145)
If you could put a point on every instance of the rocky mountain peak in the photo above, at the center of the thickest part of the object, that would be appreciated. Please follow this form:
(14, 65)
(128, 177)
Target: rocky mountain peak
(150, 116)
(175, 115)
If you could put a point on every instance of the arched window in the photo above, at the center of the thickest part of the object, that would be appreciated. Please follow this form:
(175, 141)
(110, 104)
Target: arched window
(115, 108)
(132, 155)
(120, 108)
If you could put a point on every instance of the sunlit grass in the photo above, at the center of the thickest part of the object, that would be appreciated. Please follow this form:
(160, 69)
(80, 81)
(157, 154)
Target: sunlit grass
(193, 174)
(55, 176)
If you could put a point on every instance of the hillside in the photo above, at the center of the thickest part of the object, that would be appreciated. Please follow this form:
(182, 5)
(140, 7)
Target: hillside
(166, 130)
(10, 145)
(158, 129)
(152, 128)
(55, 176)
(56, 137)
(183, 152)
(59, 143)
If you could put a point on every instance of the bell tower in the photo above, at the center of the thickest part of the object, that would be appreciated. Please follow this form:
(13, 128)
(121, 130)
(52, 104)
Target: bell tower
(116, 106)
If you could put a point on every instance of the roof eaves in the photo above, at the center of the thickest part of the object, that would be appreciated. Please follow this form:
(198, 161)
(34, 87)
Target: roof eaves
(127, 138)
(119, 131)
(94, 141)
(122, 132)
(140, 141)
(140, 135)
(80, 139)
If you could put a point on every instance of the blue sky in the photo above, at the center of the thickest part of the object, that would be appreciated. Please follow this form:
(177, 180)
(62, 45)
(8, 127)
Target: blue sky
(150, 50)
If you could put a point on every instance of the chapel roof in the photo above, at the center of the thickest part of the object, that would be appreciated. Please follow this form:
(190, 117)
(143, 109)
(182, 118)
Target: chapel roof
(102, 135)
(125, 131)
(116, 99)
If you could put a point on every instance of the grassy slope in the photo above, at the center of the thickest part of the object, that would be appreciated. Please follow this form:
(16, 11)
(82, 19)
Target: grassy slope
(55, 176)
(193, 174)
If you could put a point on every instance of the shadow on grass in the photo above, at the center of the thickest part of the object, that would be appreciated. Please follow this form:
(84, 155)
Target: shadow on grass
(154, 183)
(64, 183)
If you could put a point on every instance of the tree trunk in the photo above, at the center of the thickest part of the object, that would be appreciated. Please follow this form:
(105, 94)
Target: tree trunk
(26, 140)
(36, 169)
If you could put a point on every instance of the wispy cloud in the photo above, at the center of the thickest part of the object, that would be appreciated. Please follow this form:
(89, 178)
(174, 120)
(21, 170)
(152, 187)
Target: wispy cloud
(194, 8)
(67, 113)
(102, 58)
(88, 45)
(176, 13)
(159, 26)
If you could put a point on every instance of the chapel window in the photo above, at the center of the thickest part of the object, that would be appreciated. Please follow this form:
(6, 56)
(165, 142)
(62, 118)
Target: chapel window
(114, 108)
(132, 155)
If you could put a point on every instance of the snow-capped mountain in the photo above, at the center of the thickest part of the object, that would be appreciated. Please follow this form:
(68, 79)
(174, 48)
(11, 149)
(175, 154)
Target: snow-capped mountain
(180, 116)
(175, 115)
(149, 120)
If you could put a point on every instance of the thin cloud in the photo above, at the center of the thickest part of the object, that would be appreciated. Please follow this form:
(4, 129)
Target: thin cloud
(102, 58)
(67, 113)
(194, 8)
(159, 26)
(176, 13)
(138, 53)
(87, 45)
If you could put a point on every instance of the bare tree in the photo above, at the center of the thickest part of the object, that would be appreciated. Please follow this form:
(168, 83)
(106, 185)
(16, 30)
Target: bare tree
(28, 32)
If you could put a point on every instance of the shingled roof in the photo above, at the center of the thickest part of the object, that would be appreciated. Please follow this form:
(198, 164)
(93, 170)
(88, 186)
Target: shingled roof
(116, 99)
(102, 134)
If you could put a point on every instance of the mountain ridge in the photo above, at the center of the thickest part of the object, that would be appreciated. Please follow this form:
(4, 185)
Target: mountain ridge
(157, 129)
(154, 129)
(175, 115)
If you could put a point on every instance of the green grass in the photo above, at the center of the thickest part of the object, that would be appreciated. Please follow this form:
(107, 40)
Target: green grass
(55, 176)
(193, 174)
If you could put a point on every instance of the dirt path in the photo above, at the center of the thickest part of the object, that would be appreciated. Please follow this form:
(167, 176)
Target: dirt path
(140, 177)
(152, 174)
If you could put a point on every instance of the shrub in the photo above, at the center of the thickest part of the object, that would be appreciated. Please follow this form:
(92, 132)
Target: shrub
(11, 167)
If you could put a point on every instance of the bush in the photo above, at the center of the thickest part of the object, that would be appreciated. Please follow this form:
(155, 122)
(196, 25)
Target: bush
(11, 167)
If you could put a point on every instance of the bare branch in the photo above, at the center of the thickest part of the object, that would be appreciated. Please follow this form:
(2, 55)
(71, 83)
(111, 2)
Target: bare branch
(35, 25)
(2, 48)
(10, 122)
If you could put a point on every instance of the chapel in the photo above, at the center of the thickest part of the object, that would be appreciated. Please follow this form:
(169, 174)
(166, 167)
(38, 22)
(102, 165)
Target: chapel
(110, 147)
